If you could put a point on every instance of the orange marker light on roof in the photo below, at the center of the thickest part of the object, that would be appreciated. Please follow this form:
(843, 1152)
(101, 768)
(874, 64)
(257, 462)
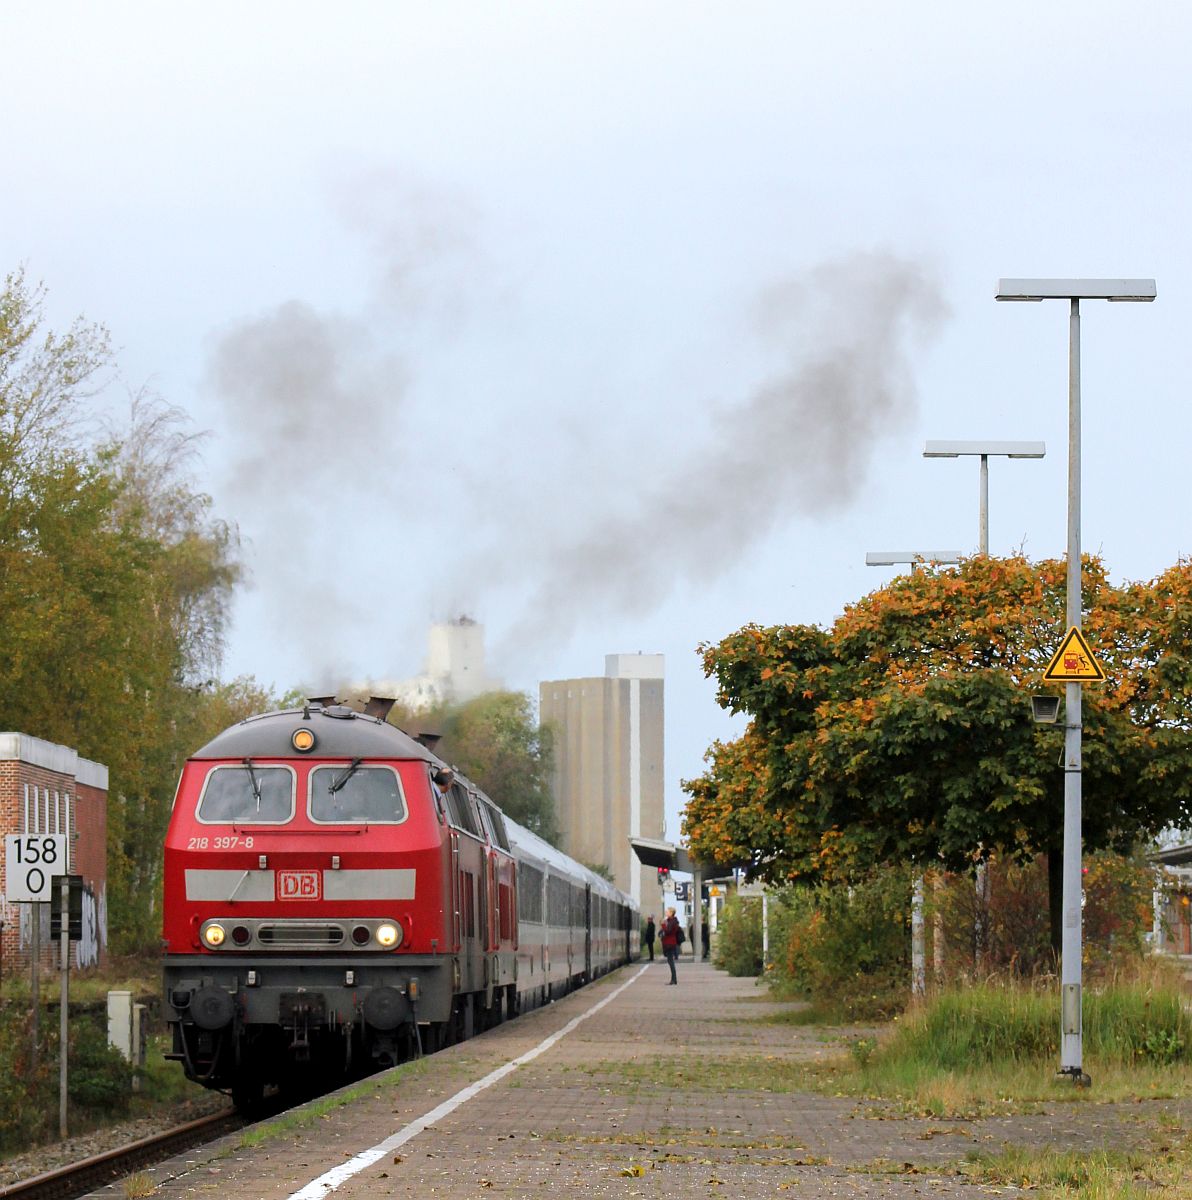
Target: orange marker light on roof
(303, 740)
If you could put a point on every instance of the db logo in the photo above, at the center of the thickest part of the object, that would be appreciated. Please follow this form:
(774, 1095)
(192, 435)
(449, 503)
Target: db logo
(299, 885)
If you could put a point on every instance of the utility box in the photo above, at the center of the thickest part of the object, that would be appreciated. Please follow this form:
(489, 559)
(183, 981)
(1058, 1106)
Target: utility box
(120, 1024)
(128, 1030)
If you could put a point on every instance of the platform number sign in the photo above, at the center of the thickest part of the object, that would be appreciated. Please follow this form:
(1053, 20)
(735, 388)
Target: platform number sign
(31, 860)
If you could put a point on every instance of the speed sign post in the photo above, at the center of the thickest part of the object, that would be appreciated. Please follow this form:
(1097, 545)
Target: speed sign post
(31, 861)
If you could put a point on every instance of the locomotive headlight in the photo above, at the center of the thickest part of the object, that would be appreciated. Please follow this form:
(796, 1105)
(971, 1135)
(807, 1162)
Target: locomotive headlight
(303, 740)
(388, 935)
(214, 935)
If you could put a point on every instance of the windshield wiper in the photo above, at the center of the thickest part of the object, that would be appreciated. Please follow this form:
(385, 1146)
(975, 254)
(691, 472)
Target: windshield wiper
(338, 782)
(256, 784)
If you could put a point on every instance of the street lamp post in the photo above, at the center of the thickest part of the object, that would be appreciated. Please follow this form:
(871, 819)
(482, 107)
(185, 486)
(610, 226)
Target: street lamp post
(984, 451)
(1073, 290)
(890, 558)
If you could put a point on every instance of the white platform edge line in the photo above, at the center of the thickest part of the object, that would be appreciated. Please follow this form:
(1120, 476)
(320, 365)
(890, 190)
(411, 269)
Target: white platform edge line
(330, 1180)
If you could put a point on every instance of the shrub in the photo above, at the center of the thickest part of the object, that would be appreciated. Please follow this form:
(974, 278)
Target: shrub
(99, 1080)
(99, 1076)
(739, 936)
(1016, 920)
(846, 948)
(1117, 914)
(26, 1095)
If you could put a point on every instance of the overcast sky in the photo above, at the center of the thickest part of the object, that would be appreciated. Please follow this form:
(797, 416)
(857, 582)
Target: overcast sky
(615, 326)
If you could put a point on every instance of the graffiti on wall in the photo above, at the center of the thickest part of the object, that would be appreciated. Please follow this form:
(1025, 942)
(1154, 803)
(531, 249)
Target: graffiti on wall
(95, 927)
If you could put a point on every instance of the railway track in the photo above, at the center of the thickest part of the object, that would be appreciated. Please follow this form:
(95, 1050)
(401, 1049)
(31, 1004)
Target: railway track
(67, 1183)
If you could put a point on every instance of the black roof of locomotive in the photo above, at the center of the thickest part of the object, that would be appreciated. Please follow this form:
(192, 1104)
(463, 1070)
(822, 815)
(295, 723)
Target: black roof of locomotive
(339, 733)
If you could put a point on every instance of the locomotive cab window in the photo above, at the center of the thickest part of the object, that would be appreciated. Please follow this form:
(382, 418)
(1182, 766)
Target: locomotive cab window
(486, 823)
(496, 825)
(353, 794)
(459, 805)
(247, 795)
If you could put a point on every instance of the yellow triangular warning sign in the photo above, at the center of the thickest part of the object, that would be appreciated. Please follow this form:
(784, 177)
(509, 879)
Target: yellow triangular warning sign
(1073, 662)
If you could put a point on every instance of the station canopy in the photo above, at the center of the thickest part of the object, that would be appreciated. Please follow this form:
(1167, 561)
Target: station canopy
(655, 852)
(1174, 856)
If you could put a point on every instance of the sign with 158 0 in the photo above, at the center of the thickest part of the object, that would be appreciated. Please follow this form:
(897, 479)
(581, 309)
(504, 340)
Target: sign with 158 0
(31, 860)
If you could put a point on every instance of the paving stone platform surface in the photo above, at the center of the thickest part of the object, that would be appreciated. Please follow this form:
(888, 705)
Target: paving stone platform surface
(664, 1090)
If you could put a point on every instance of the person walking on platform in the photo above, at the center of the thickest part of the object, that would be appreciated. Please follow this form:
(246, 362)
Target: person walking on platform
(672, 939)
(649, 938)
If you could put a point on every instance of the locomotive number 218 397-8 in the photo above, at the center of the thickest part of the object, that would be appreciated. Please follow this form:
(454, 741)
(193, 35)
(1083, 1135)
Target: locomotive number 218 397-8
(228, 842)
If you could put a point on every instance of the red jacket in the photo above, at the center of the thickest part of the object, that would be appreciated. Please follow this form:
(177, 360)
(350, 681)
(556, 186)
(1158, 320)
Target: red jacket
(670, 933)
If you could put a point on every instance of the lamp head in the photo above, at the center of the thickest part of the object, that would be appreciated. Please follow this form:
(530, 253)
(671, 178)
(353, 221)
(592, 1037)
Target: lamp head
(985, 449)
(893, 558)
(1140, 290)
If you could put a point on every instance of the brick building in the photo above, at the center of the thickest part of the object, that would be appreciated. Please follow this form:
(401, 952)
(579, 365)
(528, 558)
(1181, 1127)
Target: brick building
(47, 788)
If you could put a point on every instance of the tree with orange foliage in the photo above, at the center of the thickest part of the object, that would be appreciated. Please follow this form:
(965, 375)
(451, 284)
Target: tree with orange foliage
(904, 733)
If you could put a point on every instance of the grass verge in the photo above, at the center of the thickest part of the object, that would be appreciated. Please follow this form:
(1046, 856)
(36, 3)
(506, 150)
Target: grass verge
(1161, 1170)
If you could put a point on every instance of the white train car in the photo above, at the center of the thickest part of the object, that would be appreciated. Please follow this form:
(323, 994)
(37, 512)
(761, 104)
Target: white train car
(573, 926)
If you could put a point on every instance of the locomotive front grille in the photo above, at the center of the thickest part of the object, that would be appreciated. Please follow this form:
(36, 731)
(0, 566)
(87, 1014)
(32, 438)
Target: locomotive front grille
(236, 934)
(311, 936)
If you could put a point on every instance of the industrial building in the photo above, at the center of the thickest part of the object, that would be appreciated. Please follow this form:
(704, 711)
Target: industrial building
(455, 670)
(608, 770)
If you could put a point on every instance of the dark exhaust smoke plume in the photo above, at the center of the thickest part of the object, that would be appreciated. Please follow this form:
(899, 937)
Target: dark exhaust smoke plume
(301, 388)
(323, 448)
(334, 461)
(422, 245)
(800, 445)
(312, 407)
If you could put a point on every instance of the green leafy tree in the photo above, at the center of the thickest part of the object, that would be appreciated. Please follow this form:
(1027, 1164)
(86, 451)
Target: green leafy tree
(186, 587)
(152, 456)
(43, 377)
(114, 583)
(904, 735)
(496, 742)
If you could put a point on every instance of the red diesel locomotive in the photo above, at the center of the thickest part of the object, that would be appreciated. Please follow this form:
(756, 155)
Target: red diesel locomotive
(337, 899)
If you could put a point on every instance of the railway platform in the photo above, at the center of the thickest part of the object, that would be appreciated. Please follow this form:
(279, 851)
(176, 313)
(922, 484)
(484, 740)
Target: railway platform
(625, 1088)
